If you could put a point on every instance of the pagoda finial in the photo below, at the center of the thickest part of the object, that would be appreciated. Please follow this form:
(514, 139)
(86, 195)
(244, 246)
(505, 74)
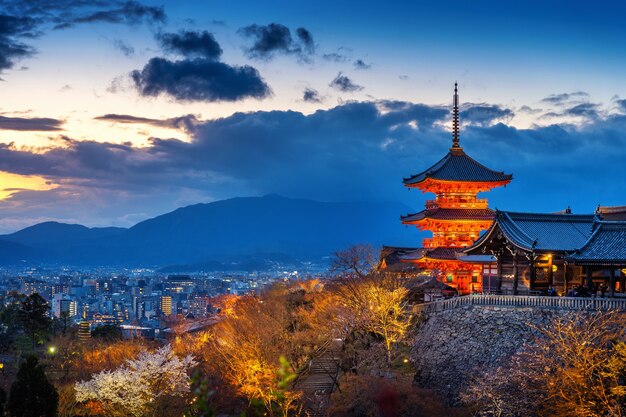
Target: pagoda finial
(455, 118)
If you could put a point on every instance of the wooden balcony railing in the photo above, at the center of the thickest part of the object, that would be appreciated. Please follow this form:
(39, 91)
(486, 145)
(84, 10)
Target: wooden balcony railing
(560, 303)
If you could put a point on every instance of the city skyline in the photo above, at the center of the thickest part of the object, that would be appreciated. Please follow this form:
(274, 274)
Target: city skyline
(107, 119)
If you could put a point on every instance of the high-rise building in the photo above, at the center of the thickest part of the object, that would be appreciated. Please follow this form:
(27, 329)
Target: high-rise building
(62, 303)
(456, 216)
(166, 305)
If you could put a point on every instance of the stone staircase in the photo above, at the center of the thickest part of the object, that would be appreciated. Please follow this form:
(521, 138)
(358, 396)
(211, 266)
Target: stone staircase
(320, 379)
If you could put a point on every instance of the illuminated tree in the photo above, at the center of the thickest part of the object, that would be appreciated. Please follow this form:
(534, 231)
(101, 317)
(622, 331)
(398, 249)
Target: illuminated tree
(135, 388)
(576, 367)
(250, 344)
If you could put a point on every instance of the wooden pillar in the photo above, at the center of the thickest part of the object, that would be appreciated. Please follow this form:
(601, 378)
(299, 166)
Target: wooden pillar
(589, 278)
(515, 273)
(533, 271)
(551, 274)
(499, 272)
(612, 282)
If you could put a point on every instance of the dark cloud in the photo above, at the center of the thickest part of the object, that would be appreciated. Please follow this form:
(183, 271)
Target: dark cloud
(335, 57)
(186, 123)
(621, 104)
(558, 99)
(344, 84)
(586, 110)
(355, 151)
(199, 80)
(125, 48)
(361, 65)
(33, 124)
(272, 39)
(483, 114)
(12, 30)
(23, 20)
(129, 12)
(311, 95)
(191, 44)
(307, 39)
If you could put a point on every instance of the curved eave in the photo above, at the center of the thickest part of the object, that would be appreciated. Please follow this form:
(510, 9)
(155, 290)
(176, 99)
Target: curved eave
(508, 235)
(428, 182)
(597, 262)
(434, 219)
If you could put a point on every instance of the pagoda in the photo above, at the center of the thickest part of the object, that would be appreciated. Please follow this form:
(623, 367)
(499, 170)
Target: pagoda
(456, 216)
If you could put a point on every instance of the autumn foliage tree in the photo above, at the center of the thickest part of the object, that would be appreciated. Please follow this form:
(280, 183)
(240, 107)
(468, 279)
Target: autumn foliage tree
(576, 367)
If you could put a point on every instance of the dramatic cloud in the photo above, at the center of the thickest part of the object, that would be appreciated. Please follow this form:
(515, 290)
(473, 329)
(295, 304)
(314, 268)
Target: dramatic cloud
(185, 123)
(355, 151)
(21, 21)
(484, 115)
(311, 95)
(33, 124)
(344, 84)
(191, 44)
(129, 12)
(199, 80)
(360, 65)
(12, 29)
(268, 40)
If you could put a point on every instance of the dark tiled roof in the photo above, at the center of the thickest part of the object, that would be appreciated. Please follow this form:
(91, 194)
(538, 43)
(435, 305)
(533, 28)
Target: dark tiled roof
(538, 231)
(611, 212)
(458, 166)
(450, 214)
(435, 253)
(607, 246)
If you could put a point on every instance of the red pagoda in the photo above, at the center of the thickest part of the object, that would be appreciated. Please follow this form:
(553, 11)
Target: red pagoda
(455, 217)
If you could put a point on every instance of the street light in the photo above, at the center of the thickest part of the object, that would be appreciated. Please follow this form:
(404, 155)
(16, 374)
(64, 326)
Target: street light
(52, 350)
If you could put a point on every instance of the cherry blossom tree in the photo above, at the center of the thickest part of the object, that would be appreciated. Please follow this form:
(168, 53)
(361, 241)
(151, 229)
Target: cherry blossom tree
(134, 388)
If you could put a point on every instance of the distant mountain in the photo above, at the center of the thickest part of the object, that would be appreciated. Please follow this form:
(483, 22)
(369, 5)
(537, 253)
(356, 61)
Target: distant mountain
(53, 232)
(223, 231)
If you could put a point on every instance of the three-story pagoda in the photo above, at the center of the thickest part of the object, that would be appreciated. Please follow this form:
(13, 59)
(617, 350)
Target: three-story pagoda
(456, 216)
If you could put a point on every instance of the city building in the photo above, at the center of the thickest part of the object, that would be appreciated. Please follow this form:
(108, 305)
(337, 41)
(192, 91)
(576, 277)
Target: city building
(166, 305)
(456, 216)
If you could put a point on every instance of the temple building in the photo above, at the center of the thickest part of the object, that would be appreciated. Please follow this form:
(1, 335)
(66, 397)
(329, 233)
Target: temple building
(531, 248)
(456, 216)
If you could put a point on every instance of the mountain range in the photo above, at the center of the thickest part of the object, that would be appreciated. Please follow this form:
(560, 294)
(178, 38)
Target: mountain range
(214, 235)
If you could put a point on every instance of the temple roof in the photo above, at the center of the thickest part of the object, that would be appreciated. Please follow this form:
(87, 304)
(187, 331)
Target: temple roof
(611, 212)
(450, 214)
(538, 231)
(606, 246)
(458, 166)
(448, 254)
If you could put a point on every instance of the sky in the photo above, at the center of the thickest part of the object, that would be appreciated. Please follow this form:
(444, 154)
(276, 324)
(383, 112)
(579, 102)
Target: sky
(112, 112)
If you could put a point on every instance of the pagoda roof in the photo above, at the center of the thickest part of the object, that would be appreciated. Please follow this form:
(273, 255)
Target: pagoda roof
(458, 166)
(539, 231)
(606, 246)
(445, 254)
(449, 214)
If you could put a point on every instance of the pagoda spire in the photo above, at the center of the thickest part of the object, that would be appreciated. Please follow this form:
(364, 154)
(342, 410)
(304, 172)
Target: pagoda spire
(455, 118)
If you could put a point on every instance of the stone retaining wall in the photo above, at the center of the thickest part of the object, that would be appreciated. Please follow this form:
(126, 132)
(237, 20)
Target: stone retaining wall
(452, 345)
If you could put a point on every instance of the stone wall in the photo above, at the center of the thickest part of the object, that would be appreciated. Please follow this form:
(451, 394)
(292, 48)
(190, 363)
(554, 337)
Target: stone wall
(452, 345)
